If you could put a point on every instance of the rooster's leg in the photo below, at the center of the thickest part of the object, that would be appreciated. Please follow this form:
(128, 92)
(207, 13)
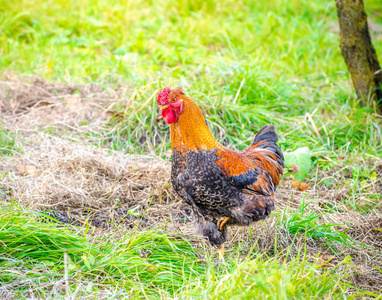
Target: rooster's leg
(221, 252)
(221, 222)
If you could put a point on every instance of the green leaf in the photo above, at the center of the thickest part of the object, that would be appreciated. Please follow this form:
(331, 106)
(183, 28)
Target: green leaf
(49, 263)
(302, 158)
(88, 261)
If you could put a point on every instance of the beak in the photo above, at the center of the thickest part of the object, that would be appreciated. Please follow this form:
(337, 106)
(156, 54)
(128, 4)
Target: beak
(164, 107)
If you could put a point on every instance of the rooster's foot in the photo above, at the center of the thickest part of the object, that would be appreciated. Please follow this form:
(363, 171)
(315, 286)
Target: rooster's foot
(221, 252)
(221, 222)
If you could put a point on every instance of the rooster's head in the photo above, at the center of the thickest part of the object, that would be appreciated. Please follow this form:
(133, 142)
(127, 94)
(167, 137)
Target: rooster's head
(171, 104)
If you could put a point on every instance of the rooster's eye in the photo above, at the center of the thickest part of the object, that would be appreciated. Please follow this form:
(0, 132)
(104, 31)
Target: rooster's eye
(173, 99)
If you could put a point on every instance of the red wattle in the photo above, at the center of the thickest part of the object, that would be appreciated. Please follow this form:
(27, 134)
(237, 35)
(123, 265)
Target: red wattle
(169, 116)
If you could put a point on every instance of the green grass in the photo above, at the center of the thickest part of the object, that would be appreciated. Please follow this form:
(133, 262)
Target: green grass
(276, 278)
(140, 38)
(8, 143)
(307, 224)
(246, 63)
(358, 185)
(147, 264)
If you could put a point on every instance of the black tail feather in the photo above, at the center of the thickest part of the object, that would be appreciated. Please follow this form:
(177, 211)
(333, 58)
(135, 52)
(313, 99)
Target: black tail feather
(266, 133)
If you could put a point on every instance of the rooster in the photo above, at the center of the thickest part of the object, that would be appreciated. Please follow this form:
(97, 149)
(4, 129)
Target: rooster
(223, 187)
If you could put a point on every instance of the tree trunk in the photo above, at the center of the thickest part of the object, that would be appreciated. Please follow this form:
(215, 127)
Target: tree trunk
(358, 51)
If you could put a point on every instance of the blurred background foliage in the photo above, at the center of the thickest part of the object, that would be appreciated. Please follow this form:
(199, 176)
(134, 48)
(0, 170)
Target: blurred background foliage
(246, 63)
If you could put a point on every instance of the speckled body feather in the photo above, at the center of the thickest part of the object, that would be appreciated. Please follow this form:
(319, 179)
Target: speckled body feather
(218, 182)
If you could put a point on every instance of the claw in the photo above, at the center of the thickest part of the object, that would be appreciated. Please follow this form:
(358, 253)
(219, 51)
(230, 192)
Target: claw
(221, 222)
(221, 252)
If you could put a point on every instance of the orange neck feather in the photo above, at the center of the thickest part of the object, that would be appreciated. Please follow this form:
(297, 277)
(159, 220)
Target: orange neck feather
(190, 132)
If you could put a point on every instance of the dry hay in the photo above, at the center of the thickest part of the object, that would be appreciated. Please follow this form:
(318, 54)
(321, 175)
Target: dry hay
(82, 184)
(35, 105)
(69, 175)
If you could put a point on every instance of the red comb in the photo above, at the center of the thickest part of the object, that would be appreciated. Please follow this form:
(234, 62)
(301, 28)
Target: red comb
(163, 96)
